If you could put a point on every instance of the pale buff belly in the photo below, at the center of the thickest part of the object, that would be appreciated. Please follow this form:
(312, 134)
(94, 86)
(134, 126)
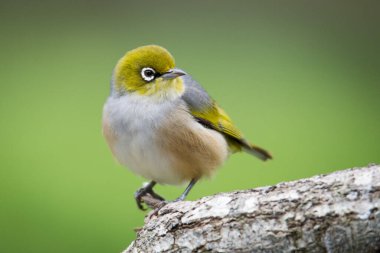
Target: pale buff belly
(169, 150)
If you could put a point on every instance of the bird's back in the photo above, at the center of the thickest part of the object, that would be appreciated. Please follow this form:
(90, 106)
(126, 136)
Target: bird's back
(208, 113)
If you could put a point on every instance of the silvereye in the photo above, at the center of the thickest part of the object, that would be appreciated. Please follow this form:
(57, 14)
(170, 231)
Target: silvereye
(163, 125)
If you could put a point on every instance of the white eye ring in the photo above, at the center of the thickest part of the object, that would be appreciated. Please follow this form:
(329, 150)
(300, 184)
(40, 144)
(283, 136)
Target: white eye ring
(148, 74)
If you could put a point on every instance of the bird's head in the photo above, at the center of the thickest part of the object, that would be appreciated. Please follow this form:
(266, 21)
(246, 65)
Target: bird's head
(148, 71)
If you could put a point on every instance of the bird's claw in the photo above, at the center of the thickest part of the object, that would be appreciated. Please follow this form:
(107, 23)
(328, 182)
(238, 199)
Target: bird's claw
(138, 197)
(140, 193)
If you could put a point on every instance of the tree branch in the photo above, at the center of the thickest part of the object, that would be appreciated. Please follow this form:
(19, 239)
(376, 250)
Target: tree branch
(338, 212)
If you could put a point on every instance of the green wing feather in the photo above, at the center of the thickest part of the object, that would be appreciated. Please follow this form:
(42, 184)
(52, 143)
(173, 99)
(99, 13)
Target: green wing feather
(206, 111)
(216, 118)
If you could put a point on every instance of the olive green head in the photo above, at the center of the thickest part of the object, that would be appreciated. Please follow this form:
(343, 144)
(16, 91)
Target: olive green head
(149, 71)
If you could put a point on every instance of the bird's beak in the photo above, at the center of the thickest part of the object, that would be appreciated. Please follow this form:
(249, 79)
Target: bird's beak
(173, 73)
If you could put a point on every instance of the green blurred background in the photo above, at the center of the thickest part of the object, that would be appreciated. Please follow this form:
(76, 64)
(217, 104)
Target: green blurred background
(299, 78)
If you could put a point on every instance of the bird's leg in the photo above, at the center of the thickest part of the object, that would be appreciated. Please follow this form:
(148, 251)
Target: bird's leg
(147, 189)
(187, 190)
(180, 198)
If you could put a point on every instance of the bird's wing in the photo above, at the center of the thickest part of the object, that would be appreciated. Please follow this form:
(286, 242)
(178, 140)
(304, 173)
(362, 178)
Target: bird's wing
(206, 111)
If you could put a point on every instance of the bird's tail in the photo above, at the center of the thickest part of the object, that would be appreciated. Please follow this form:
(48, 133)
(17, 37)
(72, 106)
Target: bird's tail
(256, 151)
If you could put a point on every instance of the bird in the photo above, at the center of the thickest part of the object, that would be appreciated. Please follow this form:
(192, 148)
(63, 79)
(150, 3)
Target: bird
(163, 125)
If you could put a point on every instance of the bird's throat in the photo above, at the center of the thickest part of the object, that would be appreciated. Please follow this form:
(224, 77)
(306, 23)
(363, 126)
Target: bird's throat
(163, 90)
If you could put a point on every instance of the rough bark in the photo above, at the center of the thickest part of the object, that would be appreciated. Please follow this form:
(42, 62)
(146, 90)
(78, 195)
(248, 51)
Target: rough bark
(338, 212)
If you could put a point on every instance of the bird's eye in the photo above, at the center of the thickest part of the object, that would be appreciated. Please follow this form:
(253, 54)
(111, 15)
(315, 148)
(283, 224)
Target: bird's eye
(148, 74)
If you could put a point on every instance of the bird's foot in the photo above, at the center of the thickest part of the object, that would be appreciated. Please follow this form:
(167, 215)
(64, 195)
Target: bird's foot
(143, 192)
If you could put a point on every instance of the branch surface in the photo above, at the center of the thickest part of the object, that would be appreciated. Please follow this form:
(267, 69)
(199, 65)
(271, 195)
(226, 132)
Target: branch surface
(338, 212)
